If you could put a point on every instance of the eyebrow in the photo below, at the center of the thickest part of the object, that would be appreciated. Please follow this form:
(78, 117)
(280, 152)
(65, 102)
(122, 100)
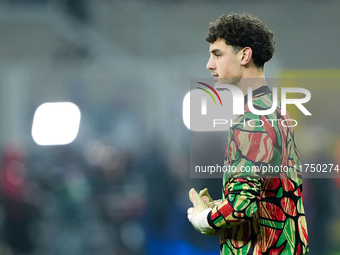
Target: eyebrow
(214, 51)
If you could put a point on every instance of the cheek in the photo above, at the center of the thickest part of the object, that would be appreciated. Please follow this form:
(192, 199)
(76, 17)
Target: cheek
(226, 68)
(231, 67)
(223, 64)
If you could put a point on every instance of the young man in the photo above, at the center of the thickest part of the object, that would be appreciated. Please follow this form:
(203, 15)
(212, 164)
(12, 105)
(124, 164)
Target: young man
(259, 214)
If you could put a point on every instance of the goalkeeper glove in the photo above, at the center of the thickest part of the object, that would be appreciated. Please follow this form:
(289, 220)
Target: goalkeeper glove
(198, 215)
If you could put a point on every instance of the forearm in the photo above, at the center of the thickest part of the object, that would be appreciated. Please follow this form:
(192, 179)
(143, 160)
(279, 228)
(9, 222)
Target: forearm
(239, 205)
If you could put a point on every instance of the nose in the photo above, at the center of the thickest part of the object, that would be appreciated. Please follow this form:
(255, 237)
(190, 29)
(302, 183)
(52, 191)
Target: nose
(210, 64)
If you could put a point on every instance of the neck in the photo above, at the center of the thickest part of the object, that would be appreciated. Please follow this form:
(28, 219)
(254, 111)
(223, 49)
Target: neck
(253, 78)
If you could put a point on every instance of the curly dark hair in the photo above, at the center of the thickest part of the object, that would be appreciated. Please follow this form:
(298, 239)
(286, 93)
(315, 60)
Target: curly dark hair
(244, 30)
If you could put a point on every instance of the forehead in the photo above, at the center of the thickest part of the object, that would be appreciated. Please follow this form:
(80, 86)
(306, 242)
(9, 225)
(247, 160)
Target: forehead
(220, 45)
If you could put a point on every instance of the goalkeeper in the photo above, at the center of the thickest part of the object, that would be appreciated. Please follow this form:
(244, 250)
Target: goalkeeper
(258, 214)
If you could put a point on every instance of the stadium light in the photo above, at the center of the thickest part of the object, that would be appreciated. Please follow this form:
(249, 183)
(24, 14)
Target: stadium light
(56, 123)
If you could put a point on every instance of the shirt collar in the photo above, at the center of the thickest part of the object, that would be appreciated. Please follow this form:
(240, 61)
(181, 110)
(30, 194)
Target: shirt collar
(261, 90)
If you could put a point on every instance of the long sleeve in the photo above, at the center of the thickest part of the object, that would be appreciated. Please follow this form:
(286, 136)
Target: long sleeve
(248, 149)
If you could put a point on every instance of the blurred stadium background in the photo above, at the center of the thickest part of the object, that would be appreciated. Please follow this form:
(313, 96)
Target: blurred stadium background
(121, 186)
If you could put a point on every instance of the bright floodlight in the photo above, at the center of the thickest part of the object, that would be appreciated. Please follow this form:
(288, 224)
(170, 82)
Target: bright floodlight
(186, 110)
(56, 123)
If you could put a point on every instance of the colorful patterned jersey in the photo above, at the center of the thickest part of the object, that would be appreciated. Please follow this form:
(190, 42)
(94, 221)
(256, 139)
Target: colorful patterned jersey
(262, 210)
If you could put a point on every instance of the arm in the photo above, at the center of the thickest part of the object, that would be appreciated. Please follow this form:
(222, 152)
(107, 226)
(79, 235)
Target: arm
(239, 204)
(246, 149)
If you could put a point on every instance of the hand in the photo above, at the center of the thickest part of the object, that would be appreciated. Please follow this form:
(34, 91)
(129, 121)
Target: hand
(204, 194)
(199, 220)
(198, 215)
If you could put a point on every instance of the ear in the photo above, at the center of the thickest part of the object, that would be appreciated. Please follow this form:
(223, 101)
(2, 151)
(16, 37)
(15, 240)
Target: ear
(247, 53)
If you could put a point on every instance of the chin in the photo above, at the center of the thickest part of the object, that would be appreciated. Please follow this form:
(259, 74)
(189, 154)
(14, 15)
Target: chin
(232, 81)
